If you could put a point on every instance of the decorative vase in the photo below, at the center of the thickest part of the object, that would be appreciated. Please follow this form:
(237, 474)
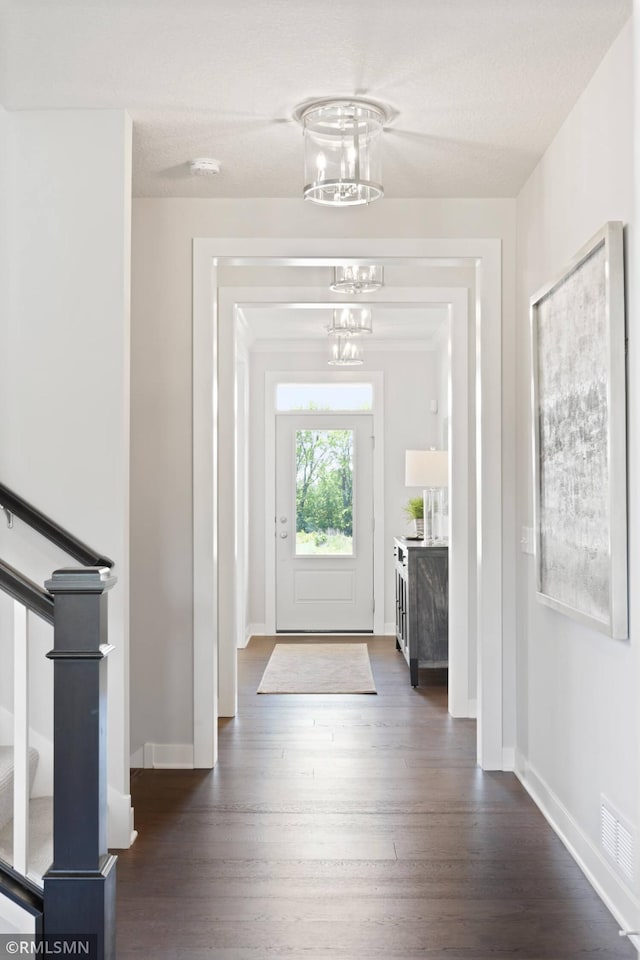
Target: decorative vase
(418, 525)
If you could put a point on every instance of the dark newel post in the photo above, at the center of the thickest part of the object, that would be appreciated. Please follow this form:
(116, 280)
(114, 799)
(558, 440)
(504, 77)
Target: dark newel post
(79, 888)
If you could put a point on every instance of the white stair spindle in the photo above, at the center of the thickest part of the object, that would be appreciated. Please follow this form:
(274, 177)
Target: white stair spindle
(20, 739)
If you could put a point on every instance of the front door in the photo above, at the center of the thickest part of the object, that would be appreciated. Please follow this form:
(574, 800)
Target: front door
(324, 523)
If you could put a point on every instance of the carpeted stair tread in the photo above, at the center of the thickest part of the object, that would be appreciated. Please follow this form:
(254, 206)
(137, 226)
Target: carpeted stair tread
(6, 780)
(40, 836)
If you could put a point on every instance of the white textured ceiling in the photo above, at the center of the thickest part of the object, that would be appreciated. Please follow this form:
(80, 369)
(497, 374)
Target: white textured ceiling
(478, 88)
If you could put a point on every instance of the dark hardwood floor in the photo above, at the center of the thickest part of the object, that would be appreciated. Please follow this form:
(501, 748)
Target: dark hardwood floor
(350, 828)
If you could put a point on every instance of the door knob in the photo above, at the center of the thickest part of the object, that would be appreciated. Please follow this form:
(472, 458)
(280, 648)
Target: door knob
(284, 535)
(283, 519)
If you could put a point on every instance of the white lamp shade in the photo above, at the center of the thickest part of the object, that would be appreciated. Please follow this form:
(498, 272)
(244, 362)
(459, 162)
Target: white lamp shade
(426, 468)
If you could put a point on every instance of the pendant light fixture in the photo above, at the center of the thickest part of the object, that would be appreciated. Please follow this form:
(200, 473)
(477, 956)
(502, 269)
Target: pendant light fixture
(350, 322)
(357, 279)
(345, 353)
(342, 151)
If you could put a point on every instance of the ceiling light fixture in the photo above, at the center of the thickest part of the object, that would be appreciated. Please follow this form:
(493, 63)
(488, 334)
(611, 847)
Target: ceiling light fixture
(204, 167)
(350, 322)
(357, 279)
(345, 353)
(342, 151)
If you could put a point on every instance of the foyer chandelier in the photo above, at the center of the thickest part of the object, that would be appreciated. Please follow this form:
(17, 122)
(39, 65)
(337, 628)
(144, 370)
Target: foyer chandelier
(342, 151)
(350, 322)
(345, 353)
(357, 279)
(347, 326)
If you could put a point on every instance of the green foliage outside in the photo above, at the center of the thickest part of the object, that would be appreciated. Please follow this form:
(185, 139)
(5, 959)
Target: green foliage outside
(309, 544)
(324, 490)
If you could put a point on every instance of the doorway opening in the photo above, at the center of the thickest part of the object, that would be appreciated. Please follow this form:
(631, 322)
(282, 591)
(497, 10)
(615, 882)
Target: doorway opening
(210, 256)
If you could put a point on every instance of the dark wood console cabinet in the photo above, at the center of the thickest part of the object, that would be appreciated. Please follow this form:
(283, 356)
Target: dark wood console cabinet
(422, 604)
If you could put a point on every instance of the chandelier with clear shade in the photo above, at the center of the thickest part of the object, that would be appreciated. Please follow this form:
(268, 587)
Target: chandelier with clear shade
(342, 151)
(350, 322)
(345, 353)
(357, 279)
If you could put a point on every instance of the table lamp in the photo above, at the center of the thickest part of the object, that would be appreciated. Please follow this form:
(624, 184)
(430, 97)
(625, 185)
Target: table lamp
(428, 469)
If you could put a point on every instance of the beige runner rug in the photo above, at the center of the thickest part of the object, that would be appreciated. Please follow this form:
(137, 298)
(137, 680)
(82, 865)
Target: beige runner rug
(318, 668)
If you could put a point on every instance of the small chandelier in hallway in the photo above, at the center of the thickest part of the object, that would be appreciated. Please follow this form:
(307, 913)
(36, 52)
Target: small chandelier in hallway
(350, 322)
(357, 279)
(342, 151)
(346, 353)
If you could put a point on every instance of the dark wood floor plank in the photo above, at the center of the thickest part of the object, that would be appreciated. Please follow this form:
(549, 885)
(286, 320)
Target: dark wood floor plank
(350, 827)
(294, 908)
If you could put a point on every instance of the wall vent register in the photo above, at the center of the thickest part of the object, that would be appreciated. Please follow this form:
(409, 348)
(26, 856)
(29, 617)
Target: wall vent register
(617, 839)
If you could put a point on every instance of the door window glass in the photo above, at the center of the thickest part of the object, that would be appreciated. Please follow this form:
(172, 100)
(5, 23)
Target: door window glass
(324, 493)
(324, 396)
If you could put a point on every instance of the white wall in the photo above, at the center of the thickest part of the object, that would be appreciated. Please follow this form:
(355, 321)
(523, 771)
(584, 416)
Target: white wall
(64, 363)
(577, 689)
(633, 363)
(410, 382)
(4, 205)
(163, 230)
(442, 440)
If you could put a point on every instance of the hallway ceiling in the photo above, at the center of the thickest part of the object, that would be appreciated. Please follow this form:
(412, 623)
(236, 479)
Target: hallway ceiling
(478, 88)
(413, 323)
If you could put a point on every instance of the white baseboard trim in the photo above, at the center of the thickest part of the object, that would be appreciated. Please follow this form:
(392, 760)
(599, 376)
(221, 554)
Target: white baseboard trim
(508, 759)
(462, 709)
(120, 826)
(164, 756)
(611, 889)
(254, 630)
(390, 629)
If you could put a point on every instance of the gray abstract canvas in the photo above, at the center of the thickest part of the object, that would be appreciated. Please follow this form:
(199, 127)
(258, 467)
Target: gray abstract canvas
(573, 417)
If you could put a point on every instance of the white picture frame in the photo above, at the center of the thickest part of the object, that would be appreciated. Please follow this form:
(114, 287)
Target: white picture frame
(578, 378)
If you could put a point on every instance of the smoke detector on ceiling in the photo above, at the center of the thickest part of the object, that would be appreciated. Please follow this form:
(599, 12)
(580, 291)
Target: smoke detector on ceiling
(204, 167)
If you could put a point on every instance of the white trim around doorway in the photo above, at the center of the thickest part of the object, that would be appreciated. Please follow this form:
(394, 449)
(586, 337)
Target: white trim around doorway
(376, 378)
(462, 626)
(485, 254)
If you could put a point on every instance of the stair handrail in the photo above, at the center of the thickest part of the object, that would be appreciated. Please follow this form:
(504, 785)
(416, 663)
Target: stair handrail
(21, 891)
(14, 505)
(78, 895)
(28, 593)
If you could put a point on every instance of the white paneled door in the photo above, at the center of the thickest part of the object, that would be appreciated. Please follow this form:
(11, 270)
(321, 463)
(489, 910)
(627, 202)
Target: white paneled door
(324, 522)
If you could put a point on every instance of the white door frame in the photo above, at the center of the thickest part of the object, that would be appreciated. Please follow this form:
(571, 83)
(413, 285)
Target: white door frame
(231, 301)
(271, 380)
(208, 253)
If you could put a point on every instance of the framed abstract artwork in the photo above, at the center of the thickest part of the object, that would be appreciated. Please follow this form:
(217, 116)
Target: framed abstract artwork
(579, 437)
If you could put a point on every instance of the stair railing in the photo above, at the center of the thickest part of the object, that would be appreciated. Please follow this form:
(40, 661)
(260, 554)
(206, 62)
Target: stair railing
(78, 894)
(15, 506)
